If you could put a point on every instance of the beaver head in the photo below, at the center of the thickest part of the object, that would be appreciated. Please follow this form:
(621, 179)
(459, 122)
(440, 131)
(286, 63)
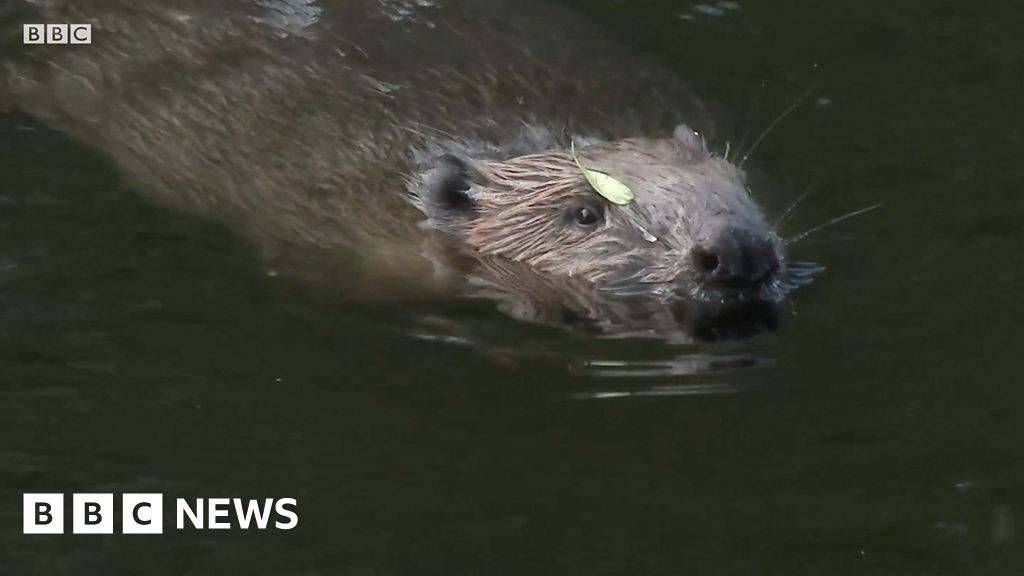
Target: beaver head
(692, 230)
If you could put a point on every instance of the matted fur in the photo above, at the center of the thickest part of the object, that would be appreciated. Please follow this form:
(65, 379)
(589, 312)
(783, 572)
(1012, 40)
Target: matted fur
(521, 210)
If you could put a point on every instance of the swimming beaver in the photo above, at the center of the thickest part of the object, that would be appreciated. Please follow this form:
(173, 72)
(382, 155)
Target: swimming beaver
(418, 141)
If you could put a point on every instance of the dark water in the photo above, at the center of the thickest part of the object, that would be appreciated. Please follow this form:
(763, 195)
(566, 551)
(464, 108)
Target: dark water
(879, 432)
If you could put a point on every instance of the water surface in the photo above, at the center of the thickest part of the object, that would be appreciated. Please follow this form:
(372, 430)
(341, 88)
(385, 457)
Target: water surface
(877, 432)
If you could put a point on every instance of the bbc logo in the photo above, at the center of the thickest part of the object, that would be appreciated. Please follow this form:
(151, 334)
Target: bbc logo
(143, 513)
(57, 34)
(92, 513)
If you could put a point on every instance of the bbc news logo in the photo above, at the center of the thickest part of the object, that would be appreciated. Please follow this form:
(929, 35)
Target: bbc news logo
(57, 34)
(144, 513)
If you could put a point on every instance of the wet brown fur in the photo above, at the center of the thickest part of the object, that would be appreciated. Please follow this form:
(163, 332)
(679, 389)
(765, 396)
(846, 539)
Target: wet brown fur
(308, 139)
(521, 211)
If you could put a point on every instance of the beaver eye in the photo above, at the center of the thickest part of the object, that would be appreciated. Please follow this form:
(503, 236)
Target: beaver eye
(586, 214)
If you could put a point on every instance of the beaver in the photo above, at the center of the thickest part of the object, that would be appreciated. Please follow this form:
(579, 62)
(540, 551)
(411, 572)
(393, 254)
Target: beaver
(413, 143)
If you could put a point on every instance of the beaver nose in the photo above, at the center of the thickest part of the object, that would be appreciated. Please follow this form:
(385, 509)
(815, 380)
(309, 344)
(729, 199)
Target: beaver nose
(736, 258)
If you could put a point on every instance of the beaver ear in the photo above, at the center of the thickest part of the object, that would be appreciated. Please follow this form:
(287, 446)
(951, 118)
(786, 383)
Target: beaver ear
(450, 182)
(688, 137)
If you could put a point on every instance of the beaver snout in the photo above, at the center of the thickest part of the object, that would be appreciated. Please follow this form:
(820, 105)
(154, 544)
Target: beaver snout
(736, 258)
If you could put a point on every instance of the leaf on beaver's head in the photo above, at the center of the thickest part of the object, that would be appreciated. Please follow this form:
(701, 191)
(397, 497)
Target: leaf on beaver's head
(611, 189)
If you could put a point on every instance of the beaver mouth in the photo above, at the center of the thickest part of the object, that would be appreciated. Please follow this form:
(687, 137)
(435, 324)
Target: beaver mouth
(772, 287)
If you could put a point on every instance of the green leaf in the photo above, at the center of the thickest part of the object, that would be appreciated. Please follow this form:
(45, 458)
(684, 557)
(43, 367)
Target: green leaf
(611, 189)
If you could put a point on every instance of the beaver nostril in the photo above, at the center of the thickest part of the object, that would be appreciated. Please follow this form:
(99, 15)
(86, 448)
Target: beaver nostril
(736, 258)
(705, 260)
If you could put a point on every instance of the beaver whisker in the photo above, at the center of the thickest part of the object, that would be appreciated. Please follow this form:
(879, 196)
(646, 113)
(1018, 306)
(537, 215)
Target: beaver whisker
(792, 206)
(800, 100)
(412, 130)
(797, 274)
(646, 234)
(637, 281)
(836, 220)
(774, 290)
(637, 289)
(803, 269)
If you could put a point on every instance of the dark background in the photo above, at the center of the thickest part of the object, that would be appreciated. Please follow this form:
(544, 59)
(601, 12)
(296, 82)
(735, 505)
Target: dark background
(878, 432)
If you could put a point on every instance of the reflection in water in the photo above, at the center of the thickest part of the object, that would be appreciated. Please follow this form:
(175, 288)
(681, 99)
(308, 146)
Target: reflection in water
(1004, 531)
(655, 310)
(670, 351)
(709, 10)
(680, 390)
(682, 365)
